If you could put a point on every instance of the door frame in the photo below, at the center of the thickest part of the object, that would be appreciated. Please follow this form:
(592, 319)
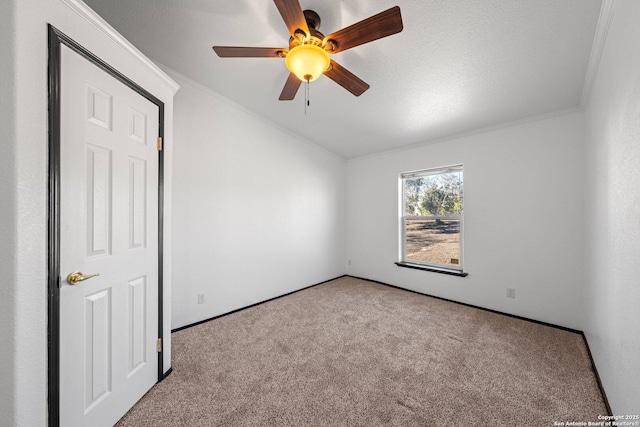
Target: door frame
(55, 41)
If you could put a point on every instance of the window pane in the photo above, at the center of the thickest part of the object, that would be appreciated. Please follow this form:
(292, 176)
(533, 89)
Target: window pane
(438, 195)
(433, 241)
(433, 212)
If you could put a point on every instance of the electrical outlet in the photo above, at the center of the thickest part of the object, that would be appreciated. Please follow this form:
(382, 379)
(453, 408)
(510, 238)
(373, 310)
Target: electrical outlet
(511, 292)
(349, 262)
(200, 298)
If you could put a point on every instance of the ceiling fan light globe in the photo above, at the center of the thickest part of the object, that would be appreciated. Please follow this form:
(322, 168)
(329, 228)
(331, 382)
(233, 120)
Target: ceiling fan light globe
(307, 60)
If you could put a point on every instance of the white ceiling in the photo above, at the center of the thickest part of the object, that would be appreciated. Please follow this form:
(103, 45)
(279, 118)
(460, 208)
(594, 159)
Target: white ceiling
(457, 66)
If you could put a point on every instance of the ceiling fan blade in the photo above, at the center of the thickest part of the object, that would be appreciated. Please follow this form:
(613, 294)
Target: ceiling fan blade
(346, 79)
(373, 28)
(290, 88)
(291, 13)
(249, 52)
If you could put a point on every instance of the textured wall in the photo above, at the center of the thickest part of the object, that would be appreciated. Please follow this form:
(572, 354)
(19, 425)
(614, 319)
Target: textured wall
(257, 212)
(523, 218)
(8, 217)
(613, 202)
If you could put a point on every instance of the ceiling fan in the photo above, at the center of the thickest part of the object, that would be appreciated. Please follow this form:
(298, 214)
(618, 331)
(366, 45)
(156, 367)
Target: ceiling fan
(308, 55)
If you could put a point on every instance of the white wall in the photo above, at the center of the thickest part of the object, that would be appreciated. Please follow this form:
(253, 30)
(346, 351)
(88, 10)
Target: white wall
(523, 218)
(612, 292)
(258, 212)
(23, 194)
(8, 217)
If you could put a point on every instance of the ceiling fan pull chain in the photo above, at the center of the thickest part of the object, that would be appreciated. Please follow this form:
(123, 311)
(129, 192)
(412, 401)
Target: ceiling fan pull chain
(306, 97)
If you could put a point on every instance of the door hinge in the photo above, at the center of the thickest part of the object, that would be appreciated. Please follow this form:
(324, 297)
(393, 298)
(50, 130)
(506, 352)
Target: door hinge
(159, 345)
(159, 146)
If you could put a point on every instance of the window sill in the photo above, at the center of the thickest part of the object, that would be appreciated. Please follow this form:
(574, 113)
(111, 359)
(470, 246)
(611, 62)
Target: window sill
(432, 269)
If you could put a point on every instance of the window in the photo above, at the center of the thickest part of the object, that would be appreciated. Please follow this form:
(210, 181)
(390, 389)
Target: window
(432, 219)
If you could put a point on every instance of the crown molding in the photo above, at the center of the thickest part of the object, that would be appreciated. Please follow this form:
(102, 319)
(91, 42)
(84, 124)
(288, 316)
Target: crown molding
(101, 25)
(473, 132)
(602, 30)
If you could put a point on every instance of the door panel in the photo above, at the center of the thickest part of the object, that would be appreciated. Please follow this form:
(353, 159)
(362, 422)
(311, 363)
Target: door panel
(97, 352)
(137, 325)
(109, 226)
(137, 205)
(99, 179)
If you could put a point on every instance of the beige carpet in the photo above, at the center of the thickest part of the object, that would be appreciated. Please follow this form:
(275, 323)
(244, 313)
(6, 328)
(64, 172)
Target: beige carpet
(355, 353)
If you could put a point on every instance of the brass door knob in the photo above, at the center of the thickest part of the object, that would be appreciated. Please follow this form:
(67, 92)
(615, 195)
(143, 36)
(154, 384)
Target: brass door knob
(77, 276)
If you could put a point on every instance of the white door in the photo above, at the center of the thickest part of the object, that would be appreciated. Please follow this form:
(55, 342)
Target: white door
(109, 226)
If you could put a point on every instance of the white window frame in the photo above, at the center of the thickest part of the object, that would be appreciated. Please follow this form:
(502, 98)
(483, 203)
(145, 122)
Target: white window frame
(445, 268)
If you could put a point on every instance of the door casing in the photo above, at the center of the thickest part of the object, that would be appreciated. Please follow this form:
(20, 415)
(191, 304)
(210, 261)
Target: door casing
(55, 39)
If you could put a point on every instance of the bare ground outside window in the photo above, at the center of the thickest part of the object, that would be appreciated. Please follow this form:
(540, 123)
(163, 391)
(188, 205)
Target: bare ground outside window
(433, 241)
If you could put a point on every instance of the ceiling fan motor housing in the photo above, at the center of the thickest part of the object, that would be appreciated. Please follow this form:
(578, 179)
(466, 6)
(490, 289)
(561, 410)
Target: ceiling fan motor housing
(317, 38)
(312, 18)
